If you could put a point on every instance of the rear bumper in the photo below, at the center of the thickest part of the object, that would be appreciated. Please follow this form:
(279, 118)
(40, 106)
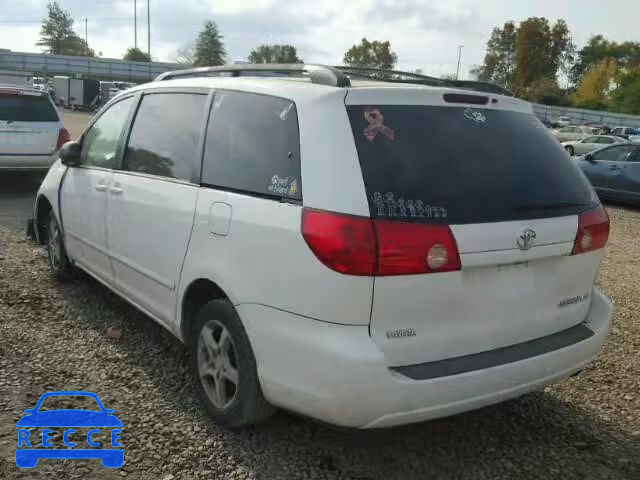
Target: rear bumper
(26, 162)
(336, 373)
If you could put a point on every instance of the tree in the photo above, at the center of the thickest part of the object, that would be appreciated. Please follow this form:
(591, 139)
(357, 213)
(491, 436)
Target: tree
(373, 54)
(598, 48)
(210, 49)
(540, 49)
(595, 85)
(274, 54)
(186, 54)
(134, 54)
(57, 35)
(626, 97)
(500, 58)
(546, 91)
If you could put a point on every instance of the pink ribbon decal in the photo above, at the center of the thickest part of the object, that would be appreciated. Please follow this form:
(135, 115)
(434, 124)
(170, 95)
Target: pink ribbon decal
(376, 125)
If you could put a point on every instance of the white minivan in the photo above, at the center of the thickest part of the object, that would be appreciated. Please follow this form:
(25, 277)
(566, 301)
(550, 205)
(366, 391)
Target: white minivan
(365, 252)
(31, 130)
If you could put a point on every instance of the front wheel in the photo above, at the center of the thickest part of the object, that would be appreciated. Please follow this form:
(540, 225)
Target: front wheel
(58, 260)
(570, 150)
(224, 368)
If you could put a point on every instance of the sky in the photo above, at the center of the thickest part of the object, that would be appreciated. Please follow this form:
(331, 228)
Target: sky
(424, 33)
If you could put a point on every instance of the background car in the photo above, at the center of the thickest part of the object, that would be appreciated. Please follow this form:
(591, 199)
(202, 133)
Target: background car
(625, 132)
(563, 121)
(614, 172)
(31, 130)
(590, 144)
(572, 133)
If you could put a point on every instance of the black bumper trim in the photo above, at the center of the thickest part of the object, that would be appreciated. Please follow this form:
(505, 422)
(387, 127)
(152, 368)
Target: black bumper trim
(494, 358)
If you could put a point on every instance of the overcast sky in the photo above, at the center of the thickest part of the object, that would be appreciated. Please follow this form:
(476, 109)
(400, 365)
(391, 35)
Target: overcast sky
(424, 33)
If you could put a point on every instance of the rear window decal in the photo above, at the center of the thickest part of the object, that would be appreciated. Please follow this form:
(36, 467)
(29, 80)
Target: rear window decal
(477, 117)
(285, 111)
(375, 119)
(387, 205)
(283, 185)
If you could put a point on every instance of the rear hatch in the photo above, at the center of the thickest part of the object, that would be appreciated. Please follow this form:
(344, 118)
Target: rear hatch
(485, 178)
(29, 123)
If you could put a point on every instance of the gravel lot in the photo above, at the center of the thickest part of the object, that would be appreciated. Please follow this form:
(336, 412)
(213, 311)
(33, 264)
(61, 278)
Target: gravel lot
(52, 337)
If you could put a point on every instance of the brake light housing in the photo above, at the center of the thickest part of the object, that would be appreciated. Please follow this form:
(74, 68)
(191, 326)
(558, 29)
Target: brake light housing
(593, 231)
(355, 245)
(63, 137)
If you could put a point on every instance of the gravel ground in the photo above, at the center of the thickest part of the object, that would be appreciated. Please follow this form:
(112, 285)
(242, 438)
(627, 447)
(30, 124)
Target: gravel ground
(52, 337)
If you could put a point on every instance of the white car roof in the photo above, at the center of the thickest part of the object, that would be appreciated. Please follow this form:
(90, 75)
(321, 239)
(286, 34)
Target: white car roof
(301, 90)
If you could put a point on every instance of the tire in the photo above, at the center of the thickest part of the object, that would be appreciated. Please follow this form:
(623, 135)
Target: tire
(56, 253)
(215, 356)
(570, 150)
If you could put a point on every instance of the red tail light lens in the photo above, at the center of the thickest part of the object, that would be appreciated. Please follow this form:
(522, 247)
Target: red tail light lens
(344, 243)
(359, 246)
(409, 248)
(63, 137)
(593, 231)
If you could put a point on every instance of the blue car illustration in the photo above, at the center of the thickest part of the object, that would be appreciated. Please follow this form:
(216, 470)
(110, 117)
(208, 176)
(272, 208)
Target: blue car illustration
(28, 457)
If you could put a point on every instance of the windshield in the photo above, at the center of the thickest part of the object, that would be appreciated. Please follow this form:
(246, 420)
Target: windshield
(63, 402)
(456, 166)
(26, 108)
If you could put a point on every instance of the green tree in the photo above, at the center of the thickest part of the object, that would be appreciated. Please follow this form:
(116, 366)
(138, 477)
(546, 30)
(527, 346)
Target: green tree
(210, 49)
(274, 54)
(499, 64)
(373, 54)
(626, 97)
(546, 91)
(598, 48)
(540, 49)
(595, 86)
(57, 35)
(134, 54)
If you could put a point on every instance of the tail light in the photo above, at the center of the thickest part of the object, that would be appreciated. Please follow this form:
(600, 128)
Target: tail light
(344, 243)
(63, 137)
(593, 231)
(361, 246)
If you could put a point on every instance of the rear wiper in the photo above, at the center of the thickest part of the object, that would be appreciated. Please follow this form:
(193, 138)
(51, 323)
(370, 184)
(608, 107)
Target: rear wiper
(546, 206)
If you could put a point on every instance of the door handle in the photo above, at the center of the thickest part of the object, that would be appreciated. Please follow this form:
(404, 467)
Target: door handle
(614, 167)
(101, 188)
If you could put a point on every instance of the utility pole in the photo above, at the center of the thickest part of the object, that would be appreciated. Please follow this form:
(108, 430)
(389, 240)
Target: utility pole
(148, 30)
(459, 58)
(86, 37)
(135, 24)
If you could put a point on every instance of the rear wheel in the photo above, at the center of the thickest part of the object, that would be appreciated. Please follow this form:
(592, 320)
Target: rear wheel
(224, 368)
(569, 150)
(58, 260)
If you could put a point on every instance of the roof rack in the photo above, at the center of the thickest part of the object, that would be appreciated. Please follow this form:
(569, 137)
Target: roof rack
(320, 74)
(396, 76)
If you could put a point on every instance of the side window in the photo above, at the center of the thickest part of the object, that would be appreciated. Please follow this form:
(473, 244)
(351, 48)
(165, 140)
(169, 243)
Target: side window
(605, 140)
(635, 155)
(165, 135)
(614, 154)
(253, 145)
(567, 130)
(590, 140)
(100, 142)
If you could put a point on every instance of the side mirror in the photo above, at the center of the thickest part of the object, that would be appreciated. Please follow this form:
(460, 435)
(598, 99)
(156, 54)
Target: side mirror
(70, 154)
(589, 158)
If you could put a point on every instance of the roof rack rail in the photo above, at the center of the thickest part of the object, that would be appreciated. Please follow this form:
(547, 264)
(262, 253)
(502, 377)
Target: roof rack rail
(320, 74)
(397, 76)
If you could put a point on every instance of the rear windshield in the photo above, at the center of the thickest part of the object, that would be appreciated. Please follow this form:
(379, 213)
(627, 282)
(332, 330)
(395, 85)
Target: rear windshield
(26, 108)
(463, 165)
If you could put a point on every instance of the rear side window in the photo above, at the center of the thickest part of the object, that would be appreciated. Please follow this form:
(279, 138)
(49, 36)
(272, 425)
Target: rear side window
(26, 108)
(165, 135)
(253, 146)
(458, 166)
